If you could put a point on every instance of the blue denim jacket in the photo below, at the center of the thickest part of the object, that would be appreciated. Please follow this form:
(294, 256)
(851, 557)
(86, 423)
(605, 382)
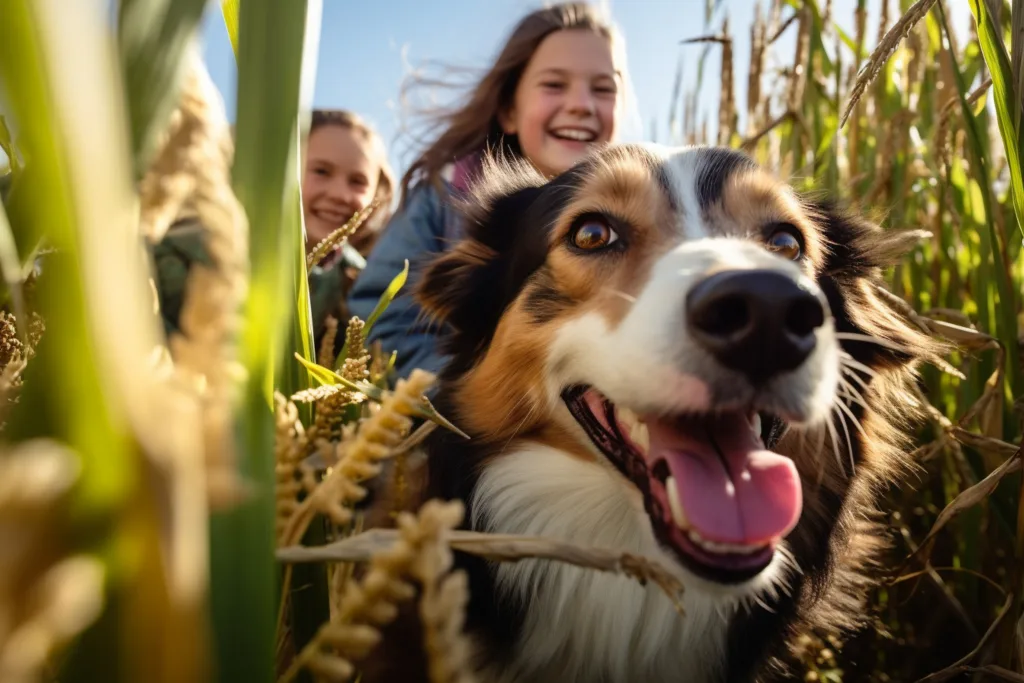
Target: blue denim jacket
(420, 231)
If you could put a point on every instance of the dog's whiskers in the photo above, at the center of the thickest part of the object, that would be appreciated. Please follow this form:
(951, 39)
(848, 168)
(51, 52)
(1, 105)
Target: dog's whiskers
(849, 361)
(835, 439)
(504, 421)
(846, 432)
(856, 423)
(871, 339)
(763, 604)
(619, 293)
(849, 372)
(519, 427)
(848, 391)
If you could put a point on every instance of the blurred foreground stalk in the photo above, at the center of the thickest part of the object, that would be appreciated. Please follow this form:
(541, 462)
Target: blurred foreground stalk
(276, 46)
(92, 385)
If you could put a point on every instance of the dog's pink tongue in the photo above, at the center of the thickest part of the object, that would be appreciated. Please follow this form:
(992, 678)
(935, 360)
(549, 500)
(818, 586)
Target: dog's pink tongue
(746, 495)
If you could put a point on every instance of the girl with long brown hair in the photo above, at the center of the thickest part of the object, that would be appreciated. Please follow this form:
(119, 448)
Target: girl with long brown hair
(554, 91)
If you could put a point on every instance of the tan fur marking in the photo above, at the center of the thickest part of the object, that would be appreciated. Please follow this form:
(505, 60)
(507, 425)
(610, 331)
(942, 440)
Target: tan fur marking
(502, 396)
(754, 199)
(622, 187)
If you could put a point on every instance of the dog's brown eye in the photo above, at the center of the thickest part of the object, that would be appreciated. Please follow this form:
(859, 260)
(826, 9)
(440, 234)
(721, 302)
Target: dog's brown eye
(593, 234)
(784, 243)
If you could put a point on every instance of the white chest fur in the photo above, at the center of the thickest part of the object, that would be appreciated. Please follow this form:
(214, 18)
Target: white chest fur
(584, 625)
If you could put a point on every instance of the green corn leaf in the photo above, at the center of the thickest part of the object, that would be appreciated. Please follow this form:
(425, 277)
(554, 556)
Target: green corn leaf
(7, 145)
(1007, 101)
(275, 47)
(1006, 323)
(86, 387)
(319, 372)
(425, 410)
(389, 294)
(848, 41)
(11, 272)
(153, 36)
(229, 9)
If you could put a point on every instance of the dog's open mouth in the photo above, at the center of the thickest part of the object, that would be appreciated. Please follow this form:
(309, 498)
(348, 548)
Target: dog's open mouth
(714, 491)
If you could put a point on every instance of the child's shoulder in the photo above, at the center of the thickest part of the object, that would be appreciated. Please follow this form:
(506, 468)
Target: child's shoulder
(429, 208)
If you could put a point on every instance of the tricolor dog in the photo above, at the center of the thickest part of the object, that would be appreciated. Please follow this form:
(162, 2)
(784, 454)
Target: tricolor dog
(666, 352)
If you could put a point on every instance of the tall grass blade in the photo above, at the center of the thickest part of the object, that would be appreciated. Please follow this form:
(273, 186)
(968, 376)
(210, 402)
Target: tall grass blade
(7, 146)
(152, 37)
(275, 70)
(385, 300)
(1006, 318)
(1007, 101)
(229, 9)
(11, 273)
(88, 385)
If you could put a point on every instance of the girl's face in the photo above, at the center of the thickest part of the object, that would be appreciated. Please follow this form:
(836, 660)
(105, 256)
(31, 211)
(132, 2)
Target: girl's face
(565, 101)
(340, 179)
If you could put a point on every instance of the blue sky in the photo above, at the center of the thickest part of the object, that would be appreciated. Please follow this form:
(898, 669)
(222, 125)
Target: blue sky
(367, 47)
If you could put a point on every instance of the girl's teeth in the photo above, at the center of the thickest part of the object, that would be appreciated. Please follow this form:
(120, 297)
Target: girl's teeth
(755, 425)
(582, 136)
(678, 516)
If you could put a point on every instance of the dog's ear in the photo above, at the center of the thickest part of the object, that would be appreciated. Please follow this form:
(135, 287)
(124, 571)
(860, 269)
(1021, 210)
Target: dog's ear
(877, 327)
(469, 287)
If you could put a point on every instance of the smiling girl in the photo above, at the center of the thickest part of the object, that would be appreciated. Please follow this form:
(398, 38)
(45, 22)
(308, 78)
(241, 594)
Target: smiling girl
(346, 169)
(554, 92)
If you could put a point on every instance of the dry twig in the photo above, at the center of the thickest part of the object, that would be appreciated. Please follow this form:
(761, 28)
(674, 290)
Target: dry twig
(369, 604)
(505, 548)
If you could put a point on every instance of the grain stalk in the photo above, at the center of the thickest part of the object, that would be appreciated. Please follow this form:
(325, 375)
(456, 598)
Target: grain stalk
(887, 46)
(420, 553)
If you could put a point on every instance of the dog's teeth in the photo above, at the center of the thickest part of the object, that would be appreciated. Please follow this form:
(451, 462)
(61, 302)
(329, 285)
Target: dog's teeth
(635, 428)
(626, 415)
(678, 516)
(755, 424)
(640, 436)
(722, 548)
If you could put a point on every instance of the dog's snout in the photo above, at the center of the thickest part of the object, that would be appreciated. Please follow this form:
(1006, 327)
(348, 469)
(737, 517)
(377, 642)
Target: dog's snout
(757, 322)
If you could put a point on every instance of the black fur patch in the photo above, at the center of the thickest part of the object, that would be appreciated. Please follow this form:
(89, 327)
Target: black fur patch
(544, 301)
(515, 234)
(714, 167)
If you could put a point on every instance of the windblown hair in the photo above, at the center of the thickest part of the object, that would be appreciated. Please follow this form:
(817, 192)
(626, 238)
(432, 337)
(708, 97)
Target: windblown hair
(473, 127)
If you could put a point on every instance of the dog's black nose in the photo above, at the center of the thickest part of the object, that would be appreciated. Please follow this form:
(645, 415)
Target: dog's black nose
(757, 322)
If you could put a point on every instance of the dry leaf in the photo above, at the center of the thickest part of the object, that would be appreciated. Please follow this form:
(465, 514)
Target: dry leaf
(985, 444)
(966, 337)
(975, 494)
(958, 666)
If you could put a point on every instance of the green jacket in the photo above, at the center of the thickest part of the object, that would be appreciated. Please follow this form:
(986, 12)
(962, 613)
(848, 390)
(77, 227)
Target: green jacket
(184, 245)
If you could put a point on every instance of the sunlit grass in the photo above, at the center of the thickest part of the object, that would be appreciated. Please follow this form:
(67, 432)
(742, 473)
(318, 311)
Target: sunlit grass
(923, 133)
